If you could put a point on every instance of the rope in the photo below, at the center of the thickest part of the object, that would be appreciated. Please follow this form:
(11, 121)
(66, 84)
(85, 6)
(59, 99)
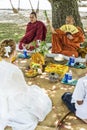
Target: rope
(37, 10)
(14, 10)
(31, 5)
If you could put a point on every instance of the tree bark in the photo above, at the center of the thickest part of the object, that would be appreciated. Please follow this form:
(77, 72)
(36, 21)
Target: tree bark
(63, 8)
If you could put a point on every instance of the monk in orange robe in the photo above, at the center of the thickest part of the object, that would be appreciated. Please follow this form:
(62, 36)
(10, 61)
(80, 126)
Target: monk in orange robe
(67, 43)
(36, 30)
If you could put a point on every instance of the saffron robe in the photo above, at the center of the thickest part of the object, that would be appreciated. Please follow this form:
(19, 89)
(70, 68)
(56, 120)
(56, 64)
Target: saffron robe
(34, 31)
(61, 44)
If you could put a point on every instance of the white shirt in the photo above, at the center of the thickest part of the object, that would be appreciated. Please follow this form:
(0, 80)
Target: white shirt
(21, 106)
(80, 93)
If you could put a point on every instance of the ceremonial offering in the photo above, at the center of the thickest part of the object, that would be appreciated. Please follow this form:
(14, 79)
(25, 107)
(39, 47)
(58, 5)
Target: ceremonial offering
(38, 58)
(53, 77)
(31, 73)
(56, 68)
(35, 65)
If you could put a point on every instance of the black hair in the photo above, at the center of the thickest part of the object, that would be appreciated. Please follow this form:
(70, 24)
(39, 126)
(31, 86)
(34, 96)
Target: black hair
(68, 33)
(34, 13)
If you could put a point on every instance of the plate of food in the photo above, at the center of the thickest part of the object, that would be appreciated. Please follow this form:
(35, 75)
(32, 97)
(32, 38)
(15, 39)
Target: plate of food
(31, 73)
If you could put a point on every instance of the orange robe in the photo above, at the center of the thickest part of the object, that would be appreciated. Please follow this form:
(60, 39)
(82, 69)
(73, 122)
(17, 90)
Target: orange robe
(61, 44)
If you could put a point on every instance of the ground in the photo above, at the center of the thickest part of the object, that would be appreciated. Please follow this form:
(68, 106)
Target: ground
(54, 90)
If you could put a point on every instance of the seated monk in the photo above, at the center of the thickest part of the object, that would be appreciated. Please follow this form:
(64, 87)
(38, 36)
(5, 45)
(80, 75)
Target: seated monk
(36, 30)
(65, 42)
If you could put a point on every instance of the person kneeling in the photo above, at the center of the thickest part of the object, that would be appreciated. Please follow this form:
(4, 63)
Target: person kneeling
(35, 30)
(77, 101)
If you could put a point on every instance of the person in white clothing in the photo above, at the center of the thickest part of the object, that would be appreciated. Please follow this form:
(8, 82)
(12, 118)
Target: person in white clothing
(21, 106)
(77, 101)
(79, 97)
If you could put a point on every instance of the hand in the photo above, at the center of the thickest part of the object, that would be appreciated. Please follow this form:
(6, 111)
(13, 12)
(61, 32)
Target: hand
(27, 46)
(24, 45)
(69, 36)
(80, 102)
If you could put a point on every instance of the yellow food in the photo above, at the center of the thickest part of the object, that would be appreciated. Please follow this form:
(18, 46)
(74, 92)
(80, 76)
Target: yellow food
(37, 58)
(31, 73)
(59, 69)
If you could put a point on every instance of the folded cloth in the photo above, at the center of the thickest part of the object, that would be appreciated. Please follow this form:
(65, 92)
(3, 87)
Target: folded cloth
(72, 83)
(23, 56)
(77, 66)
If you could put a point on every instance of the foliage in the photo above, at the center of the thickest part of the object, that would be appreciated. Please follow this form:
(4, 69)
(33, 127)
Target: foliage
(9, 30)
(42, 48)
(45, 13)
(15, 32)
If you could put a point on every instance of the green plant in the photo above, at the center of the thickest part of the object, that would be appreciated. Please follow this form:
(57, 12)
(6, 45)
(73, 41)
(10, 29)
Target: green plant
(43, 49)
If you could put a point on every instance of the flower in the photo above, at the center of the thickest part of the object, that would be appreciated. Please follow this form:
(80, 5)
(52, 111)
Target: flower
(7, 50)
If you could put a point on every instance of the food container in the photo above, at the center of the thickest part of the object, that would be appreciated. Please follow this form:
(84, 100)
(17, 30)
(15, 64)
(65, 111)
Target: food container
(58, 57)
(53, 77)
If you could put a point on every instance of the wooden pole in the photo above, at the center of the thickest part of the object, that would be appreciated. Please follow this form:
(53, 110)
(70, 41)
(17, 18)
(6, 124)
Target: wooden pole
(14, 10)
(31, 6)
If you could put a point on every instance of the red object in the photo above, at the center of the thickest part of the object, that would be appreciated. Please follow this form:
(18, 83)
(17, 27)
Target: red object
(34, 31)
(31, 48)
(37, 45)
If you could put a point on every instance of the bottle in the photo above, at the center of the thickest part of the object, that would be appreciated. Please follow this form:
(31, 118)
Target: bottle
(70, 76)
(25, 52)
(72, 60)
(66, 77)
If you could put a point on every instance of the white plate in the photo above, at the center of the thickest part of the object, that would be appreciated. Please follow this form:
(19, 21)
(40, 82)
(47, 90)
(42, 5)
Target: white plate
(51, 55)
(59, 57)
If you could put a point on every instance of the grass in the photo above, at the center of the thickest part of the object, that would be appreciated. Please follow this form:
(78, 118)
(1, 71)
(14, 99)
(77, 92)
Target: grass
(15, 32)
(9, 30)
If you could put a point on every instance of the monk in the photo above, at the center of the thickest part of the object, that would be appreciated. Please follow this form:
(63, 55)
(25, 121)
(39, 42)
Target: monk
(65, 42)
(36, 30)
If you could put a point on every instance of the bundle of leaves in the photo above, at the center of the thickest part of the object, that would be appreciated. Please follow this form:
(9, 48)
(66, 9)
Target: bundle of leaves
(41, 48)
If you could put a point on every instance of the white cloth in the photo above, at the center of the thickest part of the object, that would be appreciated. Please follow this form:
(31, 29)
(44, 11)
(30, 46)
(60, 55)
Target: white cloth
(21, 106)
(80, 93)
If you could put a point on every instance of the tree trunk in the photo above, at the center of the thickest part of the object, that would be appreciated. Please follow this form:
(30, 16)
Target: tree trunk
(63, 8)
